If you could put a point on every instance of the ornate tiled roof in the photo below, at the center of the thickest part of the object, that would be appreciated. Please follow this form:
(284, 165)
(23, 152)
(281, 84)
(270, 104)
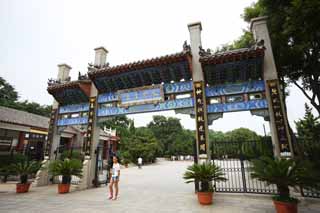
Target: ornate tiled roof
(71, 92)
(13, 116)
(167, 59)
(232, 55)
(68, 84)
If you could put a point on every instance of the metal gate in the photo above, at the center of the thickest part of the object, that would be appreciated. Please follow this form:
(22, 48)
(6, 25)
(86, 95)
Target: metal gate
(233, 158)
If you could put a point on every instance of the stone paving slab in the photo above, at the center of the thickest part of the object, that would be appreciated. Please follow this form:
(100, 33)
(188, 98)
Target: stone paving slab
(155, 188)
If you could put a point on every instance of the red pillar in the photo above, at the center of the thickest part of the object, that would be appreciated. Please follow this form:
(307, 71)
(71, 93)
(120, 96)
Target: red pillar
(20, 145)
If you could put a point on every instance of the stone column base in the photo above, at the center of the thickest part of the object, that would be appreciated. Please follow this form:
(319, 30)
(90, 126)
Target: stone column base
(42, 176)
(84, 182)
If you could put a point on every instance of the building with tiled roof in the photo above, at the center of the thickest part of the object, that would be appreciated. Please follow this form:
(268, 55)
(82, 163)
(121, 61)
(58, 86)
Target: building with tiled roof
(26, 133)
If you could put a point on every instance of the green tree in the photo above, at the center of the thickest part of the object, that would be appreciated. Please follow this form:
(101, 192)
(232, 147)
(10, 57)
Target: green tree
(217, 136)
(308, 146)
(121, 123)
(294, 31)
(165, 130)
(308, 128)
(9, 98)
(8, 94)
(142, 144)
(182, 144)
(242, 135)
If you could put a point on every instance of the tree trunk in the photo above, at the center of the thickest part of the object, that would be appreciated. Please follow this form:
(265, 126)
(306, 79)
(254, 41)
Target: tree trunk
(283, 191)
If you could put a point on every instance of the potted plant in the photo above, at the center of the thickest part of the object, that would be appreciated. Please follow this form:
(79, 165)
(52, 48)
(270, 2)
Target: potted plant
(284, 173)
(23, 169)
(204, 174)
(66, 169)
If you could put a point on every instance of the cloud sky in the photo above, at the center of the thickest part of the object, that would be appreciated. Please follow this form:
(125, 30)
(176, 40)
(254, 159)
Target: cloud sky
(36, 35)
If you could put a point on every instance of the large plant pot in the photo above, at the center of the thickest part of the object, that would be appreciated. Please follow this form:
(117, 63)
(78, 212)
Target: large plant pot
(63, 188)
(205, 198)
(22, 187)
(285, 207)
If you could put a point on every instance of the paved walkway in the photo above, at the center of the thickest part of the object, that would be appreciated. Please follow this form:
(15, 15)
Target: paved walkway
(155, 188)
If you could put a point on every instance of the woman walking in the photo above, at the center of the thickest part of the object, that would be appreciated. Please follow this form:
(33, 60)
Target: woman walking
(115, 177)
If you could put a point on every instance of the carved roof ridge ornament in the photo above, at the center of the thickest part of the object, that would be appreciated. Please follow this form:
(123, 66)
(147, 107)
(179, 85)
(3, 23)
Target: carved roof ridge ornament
(203, 52)
(82, 77)
(186, 47)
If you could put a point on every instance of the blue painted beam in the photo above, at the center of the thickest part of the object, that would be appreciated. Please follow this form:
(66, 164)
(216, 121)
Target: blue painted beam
(229, 89)
(107, 97)
(74, 108)
(72, 121)
(170, 88)
(239, 106)
(178, 87)
(167, 105)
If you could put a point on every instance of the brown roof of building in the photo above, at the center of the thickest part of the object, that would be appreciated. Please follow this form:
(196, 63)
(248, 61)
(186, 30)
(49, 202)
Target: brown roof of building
(140, 64)
(232, 55)
(14, 116)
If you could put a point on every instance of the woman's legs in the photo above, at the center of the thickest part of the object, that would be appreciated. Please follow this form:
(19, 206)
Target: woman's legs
(111, 189)
(116, 188)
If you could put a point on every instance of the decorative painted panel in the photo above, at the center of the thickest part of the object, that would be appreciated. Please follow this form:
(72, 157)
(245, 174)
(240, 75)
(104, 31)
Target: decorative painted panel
(107, 97)
(247, 87)
(167, 105)
(74, 108)
(179, 87)
(239, 106)
(143, 95)
(170, 88)
(72, 121)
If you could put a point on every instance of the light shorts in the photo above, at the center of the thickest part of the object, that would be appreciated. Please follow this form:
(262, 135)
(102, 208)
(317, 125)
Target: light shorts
(115, 178)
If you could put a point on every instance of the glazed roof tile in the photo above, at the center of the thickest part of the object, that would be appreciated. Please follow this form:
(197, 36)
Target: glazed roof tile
(180, 56)
(232, 55)
(68, 84)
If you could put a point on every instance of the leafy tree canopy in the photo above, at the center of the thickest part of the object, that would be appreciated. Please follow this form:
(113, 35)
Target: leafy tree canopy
(236, 135)
(308, 128)
(294, 27)
(9, 98)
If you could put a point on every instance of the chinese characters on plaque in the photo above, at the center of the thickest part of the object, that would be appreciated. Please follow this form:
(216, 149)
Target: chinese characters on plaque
(50, 132)
(92, 105)
(142, 95)
(199, 98)
(278, 115)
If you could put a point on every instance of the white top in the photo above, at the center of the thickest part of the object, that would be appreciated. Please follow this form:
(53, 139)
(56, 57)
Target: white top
(115, 169)
(139, 160)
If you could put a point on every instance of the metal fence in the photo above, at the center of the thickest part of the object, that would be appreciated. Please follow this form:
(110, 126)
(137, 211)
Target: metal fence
(308, 150)
(233, 158)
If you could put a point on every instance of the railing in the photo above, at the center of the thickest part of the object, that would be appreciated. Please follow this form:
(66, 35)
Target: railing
(233, 158)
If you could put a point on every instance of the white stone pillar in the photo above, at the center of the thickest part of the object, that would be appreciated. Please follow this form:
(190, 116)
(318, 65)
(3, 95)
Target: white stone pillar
(260, 32)
(198, 81)
(42, 176)
(64, 72)
(100, 56)
(195, 43)
(100, 60)
(63, 76)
